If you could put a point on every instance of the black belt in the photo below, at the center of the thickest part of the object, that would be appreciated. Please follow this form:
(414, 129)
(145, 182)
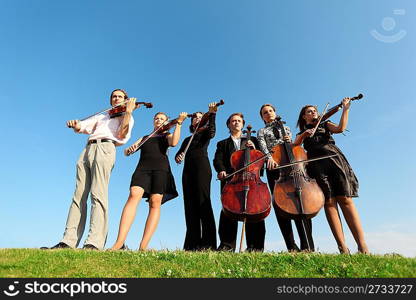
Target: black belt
(101, 141)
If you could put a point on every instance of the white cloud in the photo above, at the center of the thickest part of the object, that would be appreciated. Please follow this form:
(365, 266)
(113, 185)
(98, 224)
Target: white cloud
(403, 243)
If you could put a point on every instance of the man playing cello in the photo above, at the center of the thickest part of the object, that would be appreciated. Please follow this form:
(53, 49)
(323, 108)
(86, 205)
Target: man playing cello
(227, 227)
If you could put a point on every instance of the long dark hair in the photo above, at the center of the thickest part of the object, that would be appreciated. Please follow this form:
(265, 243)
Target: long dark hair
(191, 127)
(301, 124)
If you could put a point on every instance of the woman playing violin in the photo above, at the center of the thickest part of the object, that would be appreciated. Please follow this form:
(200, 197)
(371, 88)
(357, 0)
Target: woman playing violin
(196, 183)
(335, 175)
(268, 137)
(152, 179)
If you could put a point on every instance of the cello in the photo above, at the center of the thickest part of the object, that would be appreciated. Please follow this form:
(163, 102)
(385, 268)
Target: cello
(245, 197)
(296, 195)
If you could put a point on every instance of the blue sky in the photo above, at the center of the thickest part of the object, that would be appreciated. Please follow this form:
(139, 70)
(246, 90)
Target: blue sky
(61, 59)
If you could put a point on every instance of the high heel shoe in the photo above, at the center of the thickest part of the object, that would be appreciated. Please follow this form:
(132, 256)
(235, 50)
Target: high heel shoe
(343, 251)
(361, 250)
(122, 248)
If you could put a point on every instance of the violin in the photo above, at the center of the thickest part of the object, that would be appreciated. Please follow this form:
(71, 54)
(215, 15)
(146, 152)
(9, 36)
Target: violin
(119, 110)
(245, 197)
(168, 125)
(336, 108)
(296, 195)
(199, 127)
(162, 128)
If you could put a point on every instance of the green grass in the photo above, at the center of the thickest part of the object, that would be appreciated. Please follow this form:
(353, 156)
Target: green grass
(180, 264)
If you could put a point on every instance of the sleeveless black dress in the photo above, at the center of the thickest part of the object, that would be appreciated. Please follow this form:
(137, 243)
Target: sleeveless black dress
(334, 175)
(153, 172)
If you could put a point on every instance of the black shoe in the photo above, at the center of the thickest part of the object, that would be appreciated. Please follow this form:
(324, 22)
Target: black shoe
(294, 248)
(252, 249)
(124, 248)
(57, 246)
(89, 247)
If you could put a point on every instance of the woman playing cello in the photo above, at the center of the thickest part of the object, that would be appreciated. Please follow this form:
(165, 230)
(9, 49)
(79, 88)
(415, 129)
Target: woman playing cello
(268, 137)
(335, 176)
(196, 183)
(152, 179)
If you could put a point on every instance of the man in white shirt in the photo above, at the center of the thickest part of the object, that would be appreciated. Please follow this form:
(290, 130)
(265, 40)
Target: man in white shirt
(94, 168)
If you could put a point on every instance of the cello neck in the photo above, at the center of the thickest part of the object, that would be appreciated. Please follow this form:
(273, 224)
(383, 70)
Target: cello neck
(287, 145)
(247, 149)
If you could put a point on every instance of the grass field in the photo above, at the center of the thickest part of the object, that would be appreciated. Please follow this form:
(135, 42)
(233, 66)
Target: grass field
(179, 264)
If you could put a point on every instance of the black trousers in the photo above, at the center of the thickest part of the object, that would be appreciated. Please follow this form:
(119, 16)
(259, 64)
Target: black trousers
(199, 217)
(303, 226)
(255, 233)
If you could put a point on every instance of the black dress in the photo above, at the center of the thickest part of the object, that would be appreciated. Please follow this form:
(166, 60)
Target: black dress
(153, 172)
(196, 183)
(334, 175)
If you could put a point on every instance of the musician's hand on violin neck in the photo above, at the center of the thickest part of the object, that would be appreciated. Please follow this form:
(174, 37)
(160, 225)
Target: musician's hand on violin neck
(74, 124)
(131, 105)
(212, 107)
(221, 174)
(182, 116)
(346, 103)
(179, 158)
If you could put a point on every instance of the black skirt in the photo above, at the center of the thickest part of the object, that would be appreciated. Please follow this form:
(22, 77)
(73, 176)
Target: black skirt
(334, 175)
(155, 182)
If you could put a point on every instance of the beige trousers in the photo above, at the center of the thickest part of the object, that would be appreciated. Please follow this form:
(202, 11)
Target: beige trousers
(94, 168)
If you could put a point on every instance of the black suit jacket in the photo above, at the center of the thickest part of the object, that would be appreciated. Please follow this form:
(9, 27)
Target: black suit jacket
(225, 149)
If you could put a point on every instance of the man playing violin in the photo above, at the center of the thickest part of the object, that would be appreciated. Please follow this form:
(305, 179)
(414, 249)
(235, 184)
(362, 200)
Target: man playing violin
(255, 232)
(94, 167)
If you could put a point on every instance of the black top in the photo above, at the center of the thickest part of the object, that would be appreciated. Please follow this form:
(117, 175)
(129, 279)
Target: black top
(153, 154)
(199, 145)
(317, 145)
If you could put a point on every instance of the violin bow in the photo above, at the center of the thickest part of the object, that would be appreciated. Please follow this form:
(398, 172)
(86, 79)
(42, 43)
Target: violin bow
(148, 137)
(304, 161)
(245, 167)
(147, 104)
(105, 110)
(281, 166)
(319, 120)
(190, 140)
